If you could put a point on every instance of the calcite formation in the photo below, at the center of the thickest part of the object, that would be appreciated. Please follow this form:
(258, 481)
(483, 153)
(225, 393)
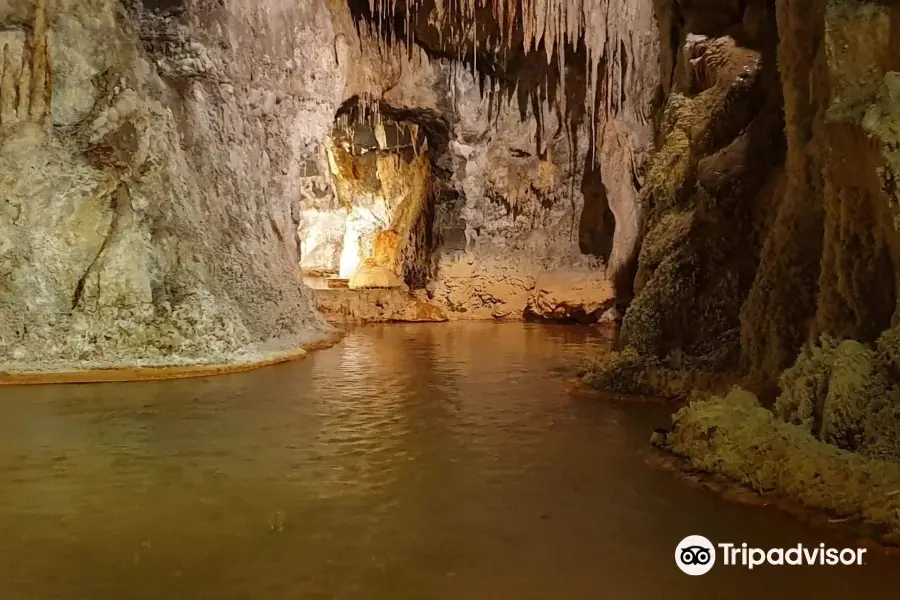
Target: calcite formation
(805, 298)
(500, 214)
(616, 98)
(26, 84)
(377, 306)
(580, 296)
(387, 190)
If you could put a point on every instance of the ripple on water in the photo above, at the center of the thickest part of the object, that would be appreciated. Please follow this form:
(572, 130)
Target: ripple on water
(435, 461)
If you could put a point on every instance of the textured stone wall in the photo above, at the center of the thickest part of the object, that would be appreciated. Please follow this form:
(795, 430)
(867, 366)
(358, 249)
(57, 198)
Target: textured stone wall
(818, 335)
(516, 213)
(544, 163)
(165, 174)
(503, 214)
(153, 221)
(829, 265)
(710, 188)
(762, 235)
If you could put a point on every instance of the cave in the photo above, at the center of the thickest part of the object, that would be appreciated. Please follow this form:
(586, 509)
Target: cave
(394, 292)
(378, 232)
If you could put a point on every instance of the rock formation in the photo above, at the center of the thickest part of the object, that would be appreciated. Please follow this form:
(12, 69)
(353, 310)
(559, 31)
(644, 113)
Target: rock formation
(770, 252)
(529, 96)
(166, 172)
(148, 166)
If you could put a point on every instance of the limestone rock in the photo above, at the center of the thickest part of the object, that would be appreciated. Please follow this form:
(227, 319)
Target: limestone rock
(375, 276)
(376, 306)
(322, 239)
(154, 225)
(580, 296)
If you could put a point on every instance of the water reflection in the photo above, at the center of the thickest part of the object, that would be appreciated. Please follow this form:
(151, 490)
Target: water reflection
(436, 461)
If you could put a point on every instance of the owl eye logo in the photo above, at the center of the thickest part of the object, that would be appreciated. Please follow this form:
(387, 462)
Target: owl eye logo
(695, 555)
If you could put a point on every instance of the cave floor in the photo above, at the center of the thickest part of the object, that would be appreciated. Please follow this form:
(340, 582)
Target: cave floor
(408, 461)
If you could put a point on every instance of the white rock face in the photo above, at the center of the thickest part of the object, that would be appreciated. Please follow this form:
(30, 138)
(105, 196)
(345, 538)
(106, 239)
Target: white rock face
(359, 235)
(518, 214)
(322, 239)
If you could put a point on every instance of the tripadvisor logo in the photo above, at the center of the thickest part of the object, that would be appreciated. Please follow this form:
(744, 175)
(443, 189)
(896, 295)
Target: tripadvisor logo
(696, 555)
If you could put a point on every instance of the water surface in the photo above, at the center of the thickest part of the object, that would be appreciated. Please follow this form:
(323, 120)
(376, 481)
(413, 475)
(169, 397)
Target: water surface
(422, 462)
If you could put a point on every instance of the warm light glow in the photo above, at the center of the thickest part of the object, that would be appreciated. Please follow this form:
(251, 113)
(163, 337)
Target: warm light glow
(385, 190)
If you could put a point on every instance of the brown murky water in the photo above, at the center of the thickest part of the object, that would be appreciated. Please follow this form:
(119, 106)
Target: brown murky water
(419, 462)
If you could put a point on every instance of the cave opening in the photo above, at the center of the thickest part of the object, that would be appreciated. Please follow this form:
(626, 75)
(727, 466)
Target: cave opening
(597, 225)
(385, 175)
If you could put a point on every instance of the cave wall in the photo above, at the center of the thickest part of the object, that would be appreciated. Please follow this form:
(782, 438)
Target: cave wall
(503, 213)
(157, 212)
(821, 318)
(323, 218)
(153, 221)
(160, 204)
(553, 119)
(710, 185)
(829, 262)
(517, 210)
(763, 235)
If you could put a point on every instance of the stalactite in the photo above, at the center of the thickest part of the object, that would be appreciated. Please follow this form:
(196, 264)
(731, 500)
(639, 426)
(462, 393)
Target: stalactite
(527, 25)
(541, 35)
(552, 27)
(47, 120)
(7, 89)
(24, 87)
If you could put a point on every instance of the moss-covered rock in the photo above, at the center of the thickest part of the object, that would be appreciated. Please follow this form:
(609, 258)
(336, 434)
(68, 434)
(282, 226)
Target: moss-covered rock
(805, 385)
(628, 372)
(881, 427)
(622, 371)
(832, 391)
(655, 311)
(735, 436)
(852, 389)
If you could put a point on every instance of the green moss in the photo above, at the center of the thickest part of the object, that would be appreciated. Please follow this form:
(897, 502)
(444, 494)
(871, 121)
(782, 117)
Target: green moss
(881, 427)
(656, 313)
(628, 372)
(736, 437)
(888, 346)
(805, 385)
(833, 390)
(852, 388)
(664, 237)
(619, 371)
